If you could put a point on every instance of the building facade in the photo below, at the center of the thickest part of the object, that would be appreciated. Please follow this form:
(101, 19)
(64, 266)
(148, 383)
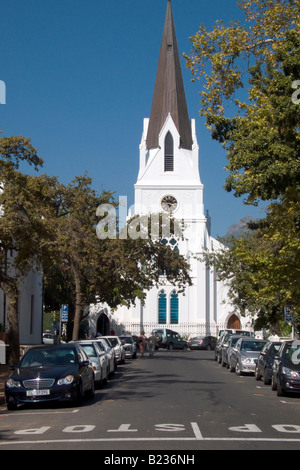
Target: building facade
(169, 182)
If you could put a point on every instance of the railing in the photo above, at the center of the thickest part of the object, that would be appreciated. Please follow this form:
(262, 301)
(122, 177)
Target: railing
(184, 329)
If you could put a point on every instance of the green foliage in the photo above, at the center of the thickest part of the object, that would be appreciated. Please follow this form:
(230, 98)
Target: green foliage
(247, 72)
(260, 60)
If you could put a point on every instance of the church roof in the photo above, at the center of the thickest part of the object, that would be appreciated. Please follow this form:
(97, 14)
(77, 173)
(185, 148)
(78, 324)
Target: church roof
(169, 94)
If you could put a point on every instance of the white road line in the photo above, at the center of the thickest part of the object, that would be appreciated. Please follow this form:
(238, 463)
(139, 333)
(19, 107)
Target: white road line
(40, 413)
(151, 439)
(197, 431)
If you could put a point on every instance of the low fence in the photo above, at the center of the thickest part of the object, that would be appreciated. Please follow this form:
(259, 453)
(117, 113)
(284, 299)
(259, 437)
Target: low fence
(187, 330)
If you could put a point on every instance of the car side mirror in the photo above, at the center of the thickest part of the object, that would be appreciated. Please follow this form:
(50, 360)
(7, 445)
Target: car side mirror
(84, 363)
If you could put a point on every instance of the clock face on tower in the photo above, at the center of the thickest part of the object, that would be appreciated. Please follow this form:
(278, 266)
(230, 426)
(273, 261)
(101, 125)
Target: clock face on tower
(169, 203)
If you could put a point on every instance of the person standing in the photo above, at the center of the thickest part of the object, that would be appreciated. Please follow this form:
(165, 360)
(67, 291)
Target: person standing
(152, 344)
(142, 343)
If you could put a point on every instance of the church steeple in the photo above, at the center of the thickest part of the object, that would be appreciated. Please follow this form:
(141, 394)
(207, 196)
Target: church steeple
(169, 94)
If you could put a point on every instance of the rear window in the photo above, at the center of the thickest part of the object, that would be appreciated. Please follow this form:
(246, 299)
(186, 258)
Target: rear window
(89, 349)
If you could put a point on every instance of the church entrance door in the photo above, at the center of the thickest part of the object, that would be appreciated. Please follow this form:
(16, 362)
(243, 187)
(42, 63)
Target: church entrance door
(234, 323)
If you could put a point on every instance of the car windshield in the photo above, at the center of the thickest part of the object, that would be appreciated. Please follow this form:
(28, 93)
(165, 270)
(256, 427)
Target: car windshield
(128, 339)
(55, 356)
(89, 349)
(234, 341)
(292, 353)
(114, 341)
(252, 345)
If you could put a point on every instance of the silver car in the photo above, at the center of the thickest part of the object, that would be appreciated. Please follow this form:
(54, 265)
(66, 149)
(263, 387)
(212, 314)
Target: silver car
(245, 354)
(118, 347)
(227, 348)
(106, 346)
(129, 346)
(97, 357)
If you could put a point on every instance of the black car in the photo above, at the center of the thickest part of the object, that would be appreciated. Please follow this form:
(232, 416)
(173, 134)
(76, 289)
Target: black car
(286, 368)
(50, 373)
(265, 361)
(203, 342)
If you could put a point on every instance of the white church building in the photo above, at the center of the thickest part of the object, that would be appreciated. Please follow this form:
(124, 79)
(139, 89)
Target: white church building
(169, 181)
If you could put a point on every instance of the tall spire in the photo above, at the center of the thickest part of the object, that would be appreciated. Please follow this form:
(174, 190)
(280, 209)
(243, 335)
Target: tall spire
(169, 95)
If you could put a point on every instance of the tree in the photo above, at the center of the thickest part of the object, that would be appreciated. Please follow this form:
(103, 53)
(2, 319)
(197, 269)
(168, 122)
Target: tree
(25, 233)
(262, 269)
(114, 270)
(249, 73)
(262, 138)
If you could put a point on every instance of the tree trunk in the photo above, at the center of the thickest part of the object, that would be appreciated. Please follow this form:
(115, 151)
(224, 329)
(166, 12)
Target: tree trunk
(78, 306)
(13, 329)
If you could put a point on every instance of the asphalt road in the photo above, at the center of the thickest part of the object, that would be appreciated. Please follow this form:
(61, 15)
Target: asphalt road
(181, 402)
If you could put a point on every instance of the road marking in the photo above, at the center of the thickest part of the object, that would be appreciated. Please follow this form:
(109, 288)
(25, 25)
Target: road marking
(41, 413)
(197, 431)
(151, 439)
(197, 435)
(123, 428)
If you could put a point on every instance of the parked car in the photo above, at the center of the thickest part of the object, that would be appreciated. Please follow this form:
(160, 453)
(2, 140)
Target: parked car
(106, 346)
(129, 346)
(98, 359)
(168, 339)
(47, 373)
(203, 342)
(236, 332)
(244, 355)
(227, 346)
(48, 338)
(286, 368)
(136, 342)
(219, 346)
(118, 347)
(265, 361)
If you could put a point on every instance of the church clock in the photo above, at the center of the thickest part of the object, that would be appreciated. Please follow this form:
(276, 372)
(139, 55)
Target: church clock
(169, 203)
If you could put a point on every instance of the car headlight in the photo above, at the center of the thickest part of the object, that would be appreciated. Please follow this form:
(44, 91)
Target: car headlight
(66, 380)
(289, 372)
(246, 360)
(11, 383)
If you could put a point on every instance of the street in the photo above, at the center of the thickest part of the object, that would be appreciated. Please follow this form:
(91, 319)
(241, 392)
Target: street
(179, 401)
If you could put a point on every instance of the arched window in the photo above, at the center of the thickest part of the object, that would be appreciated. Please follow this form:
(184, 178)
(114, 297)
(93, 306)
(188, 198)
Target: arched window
(174, 308)
(169, 152)
(162, 307)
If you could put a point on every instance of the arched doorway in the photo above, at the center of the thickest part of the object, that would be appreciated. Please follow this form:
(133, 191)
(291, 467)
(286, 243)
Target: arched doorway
(234, 322)
(103, 325)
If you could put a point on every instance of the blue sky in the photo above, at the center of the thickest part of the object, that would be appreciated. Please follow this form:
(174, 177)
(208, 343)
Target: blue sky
(79, 81)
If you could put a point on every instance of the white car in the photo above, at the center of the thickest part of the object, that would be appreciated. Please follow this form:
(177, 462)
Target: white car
(48, 338)
(118, 347)
(97, 357)
(106, 346)
(129, 346)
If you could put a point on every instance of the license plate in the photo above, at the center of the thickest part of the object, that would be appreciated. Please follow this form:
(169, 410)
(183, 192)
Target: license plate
(37, 393)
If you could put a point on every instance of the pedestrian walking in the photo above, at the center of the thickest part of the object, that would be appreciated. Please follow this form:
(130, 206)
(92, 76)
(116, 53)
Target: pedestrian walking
(152, 344)
(142, 343)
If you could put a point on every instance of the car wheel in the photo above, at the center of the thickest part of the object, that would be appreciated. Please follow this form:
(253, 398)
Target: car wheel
(11, 406)
(79, 394)
(231, 368)
(257, 374)
(280, 391)
(267, 380)
(92, 389)
(104, 380)
(238, 369)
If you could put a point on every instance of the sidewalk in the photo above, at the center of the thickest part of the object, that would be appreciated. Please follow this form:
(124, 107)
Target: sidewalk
(4, 373)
